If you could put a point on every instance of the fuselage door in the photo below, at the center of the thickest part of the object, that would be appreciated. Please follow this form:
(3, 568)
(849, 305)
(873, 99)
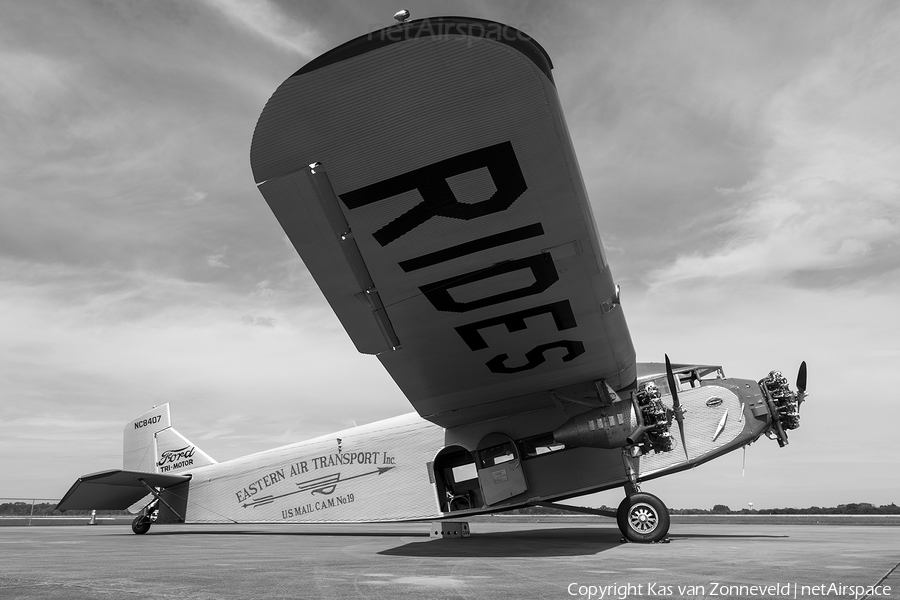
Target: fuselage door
(500, 469)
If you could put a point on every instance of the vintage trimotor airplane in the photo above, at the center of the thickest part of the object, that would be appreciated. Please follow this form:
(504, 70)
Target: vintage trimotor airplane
(425, 174)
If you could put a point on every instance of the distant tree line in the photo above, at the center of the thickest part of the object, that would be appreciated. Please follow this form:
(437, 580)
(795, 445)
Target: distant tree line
(861, 508)
(46, 509)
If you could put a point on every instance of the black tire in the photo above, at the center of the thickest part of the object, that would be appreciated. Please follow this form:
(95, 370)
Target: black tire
(643, 518)
(141, 524)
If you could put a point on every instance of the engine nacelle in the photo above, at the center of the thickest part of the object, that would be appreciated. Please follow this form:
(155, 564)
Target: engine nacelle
(619, 424)
(604, 427)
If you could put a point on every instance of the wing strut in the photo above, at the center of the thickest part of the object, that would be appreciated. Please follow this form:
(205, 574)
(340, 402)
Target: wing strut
(158, 496)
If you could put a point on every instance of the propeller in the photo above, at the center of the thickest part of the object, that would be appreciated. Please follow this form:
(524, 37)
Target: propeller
(676, 404)
(801, 384)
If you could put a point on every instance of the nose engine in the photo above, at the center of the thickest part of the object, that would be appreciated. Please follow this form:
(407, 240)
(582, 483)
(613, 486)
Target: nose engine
(783, 404)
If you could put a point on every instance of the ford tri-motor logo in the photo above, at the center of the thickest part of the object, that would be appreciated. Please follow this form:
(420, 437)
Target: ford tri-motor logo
(176, 459)
(714, 402)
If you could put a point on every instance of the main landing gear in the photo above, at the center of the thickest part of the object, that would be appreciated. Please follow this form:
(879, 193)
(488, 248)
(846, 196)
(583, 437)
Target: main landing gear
(643, 518)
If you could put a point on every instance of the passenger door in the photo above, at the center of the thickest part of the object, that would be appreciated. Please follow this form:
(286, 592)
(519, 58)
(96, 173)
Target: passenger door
(500, 469)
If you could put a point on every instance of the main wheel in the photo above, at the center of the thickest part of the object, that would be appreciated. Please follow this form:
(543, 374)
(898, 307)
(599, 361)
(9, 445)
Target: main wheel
(141, 524)
(643, 518)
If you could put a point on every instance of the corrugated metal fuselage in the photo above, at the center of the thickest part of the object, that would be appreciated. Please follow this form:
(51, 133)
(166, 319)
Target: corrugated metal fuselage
(386, 471)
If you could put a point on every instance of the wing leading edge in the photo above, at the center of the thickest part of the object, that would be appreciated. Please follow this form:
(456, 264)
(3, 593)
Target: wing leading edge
(426, 176)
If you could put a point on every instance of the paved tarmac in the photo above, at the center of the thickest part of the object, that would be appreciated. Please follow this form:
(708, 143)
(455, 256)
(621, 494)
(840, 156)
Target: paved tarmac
(399, 561)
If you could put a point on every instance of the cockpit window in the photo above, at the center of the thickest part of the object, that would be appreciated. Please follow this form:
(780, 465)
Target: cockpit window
(689, 378)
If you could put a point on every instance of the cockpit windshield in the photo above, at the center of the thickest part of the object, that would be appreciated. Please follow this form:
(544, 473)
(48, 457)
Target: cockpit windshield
(686, 376)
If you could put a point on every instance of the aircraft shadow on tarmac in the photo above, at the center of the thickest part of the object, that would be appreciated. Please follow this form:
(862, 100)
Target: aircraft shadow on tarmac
(567, 541)
(564, 541)
(326, 533)
(687, 536)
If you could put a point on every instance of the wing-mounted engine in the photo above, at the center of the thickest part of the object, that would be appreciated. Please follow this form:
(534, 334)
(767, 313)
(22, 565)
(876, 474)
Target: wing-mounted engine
(642, 424)
(605, 427)
(657, 419)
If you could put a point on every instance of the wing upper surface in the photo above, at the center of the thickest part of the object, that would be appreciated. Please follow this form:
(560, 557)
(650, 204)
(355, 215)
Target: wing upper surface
(431, 188)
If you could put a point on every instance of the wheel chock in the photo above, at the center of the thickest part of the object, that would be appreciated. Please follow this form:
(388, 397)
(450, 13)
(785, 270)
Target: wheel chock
(449, 529)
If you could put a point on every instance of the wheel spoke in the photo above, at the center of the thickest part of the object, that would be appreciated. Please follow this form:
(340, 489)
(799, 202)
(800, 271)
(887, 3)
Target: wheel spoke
(643, 518)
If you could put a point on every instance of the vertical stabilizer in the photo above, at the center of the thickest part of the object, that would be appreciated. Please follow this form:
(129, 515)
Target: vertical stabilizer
(139, 452)
(174, 452)
(151, 445)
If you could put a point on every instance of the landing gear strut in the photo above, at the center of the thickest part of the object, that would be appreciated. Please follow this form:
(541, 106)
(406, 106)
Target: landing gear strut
(642, 517)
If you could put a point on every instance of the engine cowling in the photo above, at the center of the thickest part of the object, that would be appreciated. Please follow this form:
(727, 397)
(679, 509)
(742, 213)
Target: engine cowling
(619, 424)
(604, 427)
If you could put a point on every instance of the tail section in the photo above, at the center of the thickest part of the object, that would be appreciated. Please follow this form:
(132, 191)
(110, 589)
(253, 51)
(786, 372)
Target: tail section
(151, 445)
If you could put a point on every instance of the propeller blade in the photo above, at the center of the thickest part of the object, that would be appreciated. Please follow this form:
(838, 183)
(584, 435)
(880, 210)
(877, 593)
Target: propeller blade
(676, 404)
(801, 377)
(801, 385)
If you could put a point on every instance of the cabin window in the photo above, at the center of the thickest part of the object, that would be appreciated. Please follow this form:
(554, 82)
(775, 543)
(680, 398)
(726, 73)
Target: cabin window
(456, 480)
(496, 455)
(464, 473)
(538, 445)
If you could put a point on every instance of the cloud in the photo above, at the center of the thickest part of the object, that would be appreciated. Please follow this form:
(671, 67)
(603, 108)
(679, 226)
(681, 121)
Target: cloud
(268, 21)
(195, 196)
(215, 261)
(85, 349)
(823, 205)
(260, 321)
(31, 82)
(790, 231)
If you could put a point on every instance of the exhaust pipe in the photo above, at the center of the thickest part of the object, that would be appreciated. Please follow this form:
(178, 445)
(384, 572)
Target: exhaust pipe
(637, 435)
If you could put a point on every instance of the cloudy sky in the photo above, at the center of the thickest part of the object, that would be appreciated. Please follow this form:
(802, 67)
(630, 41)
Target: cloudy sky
(741, 158)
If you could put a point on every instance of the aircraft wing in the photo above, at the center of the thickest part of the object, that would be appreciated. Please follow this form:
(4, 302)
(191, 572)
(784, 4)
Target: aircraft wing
(426, 177)
(114, 490)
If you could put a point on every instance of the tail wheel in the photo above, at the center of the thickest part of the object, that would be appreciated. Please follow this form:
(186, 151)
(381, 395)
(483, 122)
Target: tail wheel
(643, 518)
(141, 524)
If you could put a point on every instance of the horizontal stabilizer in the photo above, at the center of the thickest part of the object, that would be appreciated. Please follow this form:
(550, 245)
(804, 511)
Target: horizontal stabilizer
(114, 489)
